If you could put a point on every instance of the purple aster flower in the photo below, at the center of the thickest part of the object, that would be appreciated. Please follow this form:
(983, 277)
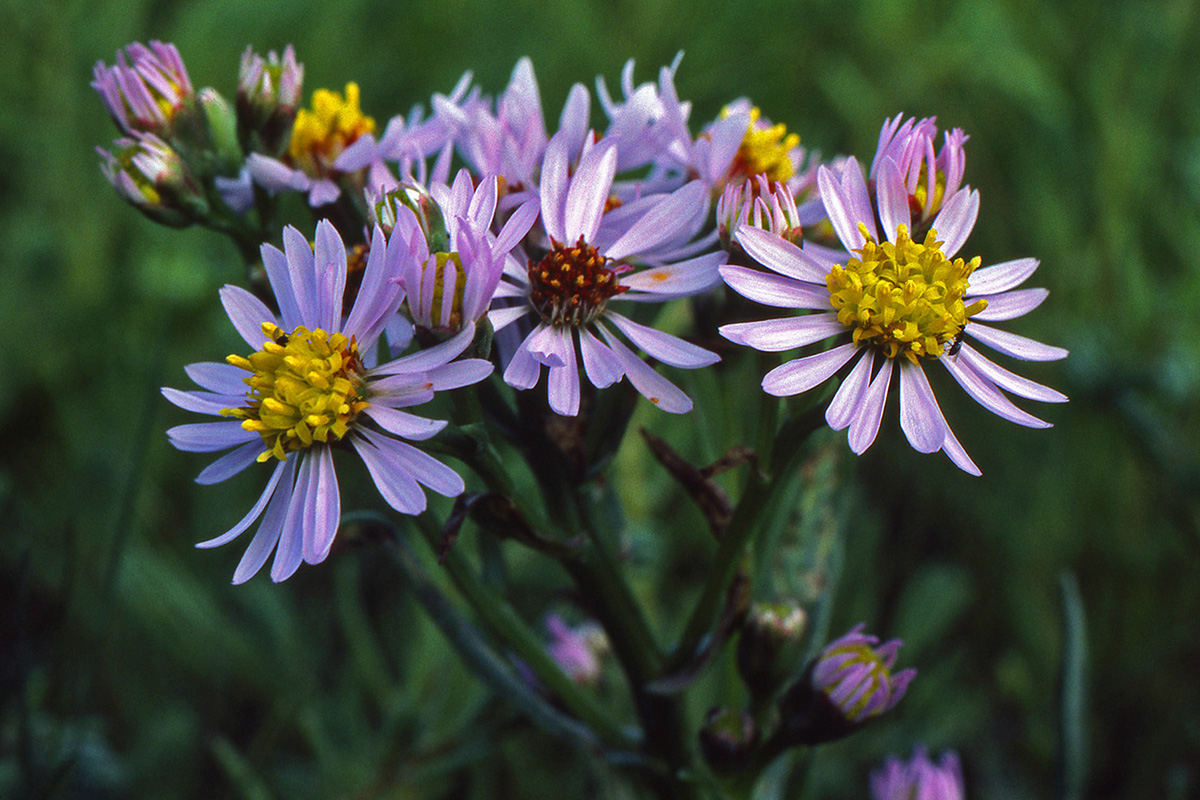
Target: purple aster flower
(919, 779)
(892, 300)
(909, 144)
(319, 139)
(854, 673)
(146, 93)
(587, 265)
(313, 383)
(448, 288)
(577, 650)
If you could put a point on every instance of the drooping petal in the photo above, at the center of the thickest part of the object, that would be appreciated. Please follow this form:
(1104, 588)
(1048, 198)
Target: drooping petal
(524, 370)
(424, 468)
(327, 507)
(959, 456)
(865, 426)
(562, 384)
(801, 374)
(267, 535)
(848, 400)
(1013, 345)
(663, 346)
(650, 384)
(257, 509)
(603, 368)
(289, 554)
(395, 484)
(785, 333)
(920, 417)
(546, 344)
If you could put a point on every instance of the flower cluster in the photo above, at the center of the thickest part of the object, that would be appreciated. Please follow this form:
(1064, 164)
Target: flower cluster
(562, 242)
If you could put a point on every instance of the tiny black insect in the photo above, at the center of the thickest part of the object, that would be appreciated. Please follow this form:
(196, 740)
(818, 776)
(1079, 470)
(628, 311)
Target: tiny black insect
(952, 351)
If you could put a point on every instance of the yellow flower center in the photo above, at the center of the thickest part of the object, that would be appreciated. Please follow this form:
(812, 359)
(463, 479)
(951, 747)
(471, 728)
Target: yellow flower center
(916, 200)
(305, 387)
(903, 297)
(319, 136)
(765, 151)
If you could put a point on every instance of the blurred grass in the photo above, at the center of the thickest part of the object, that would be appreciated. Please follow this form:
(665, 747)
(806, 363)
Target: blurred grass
(128, 665)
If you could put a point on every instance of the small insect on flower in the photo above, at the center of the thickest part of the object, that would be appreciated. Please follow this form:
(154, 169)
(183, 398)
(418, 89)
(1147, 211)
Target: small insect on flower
(956, 343)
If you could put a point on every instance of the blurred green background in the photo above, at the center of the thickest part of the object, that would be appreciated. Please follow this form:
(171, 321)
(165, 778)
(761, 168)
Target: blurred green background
(130, 668)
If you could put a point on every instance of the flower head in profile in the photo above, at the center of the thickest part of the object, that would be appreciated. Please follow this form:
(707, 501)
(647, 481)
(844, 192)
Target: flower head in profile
(928, 179)
(151, 176)
(919, 779)
(146, 89)
(268, 98)
(312, 384)
(894, 302)
(319, 137)
(452, 262)
(849, 684)
(590, 264)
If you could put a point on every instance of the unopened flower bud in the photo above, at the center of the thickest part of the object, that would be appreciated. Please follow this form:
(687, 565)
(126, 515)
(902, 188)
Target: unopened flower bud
(267, 100)
(152, 177)
(727, 738)
(222, 129)
(385, 210)
(919, 778)
(147, 93)
(847, 685)
(577, 650)
(768, 645)
(760, 203)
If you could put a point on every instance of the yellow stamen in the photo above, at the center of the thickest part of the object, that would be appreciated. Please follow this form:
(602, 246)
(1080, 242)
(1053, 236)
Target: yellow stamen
(319, 136)
(766, 150)
(306, 387)
(903, 297)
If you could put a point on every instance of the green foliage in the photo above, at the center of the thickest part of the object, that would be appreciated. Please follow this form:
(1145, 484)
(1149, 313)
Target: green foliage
(131, 668)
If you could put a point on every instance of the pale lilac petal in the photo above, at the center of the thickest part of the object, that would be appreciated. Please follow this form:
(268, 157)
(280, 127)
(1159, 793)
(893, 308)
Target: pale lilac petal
(359, 154)
(588, 193)
(217, 377)
(202, 402)
(483, 203)
(987, 395)
(553, 187)
(517, 226)
(1010, 305)
(395, 484)
(920, 417)
(549, 345)
(894, 210)
(776, 253)
(267, 535)
(231, 463)
(247, 313)
(301, 274)
(602, 367)
(276, 265)
(327, 504)
(680, 279)
(661, 223)
(458, 374)
(1001, 277)
(431, 357)
(956, 219)
(775, 290)
(524, 370)
(208, 437)
(562, 384)
(245, 522)
(377, 293)
(801, 374)
(663, 346)
(401, 423)
(329, 263)
(426, 469)
(865, 426)
(848, 400)
(275, 176)
(654, 387)
(323, 192)
(402, 391)
(1013, 345)
(1008, 381)
(786, 333)
(503, 317)
(959, 456)
(289, 554)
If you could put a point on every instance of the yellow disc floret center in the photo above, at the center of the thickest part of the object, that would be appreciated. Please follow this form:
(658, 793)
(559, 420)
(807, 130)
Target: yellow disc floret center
(305, 387)
(766, 150)
(319, 136)
(903, 297)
